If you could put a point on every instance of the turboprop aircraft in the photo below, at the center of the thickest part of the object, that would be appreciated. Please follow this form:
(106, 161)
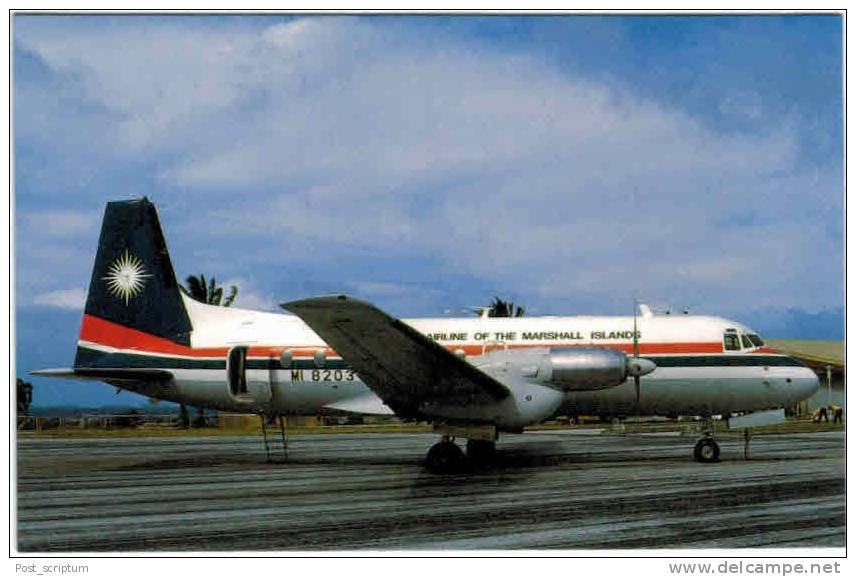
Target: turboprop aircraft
(472, 378)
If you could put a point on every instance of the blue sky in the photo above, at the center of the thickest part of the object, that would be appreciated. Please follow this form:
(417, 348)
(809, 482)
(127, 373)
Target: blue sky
(430, 163)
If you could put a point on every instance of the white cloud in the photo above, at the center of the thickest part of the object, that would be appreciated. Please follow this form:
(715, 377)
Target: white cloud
(372, 288)
(53, 247)
(340, 134)
(249, 297)
(60, 223)
(71, 299)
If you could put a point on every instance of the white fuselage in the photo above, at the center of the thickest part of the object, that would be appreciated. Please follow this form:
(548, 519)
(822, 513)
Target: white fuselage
(695, 374)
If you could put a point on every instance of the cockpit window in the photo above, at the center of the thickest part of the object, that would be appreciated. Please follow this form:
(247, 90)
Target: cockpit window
(747, 344)
(756, 340)
(732, 342)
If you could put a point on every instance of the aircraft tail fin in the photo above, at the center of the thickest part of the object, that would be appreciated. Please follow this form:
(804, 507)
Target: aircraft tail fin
(134, 300)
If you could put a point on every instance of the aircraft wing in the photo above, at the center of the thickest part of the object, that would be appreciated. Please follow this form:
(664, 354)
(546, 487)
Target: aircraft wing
(403, 367)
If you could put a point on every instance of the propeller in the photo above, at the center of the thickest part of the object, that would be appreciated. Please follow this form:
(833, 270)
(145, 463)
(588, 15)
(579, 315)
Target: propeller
(636, 366)
(636, 375)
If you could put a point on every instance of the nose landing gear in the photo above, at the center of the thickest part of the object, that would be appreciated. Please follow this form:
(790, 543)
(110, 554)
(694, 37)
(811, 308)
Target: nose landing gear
(707, 449)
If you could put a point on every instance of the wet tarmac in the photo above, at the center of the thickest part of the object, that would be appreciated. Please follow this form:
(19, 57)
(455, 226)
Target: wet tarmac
(546, 490)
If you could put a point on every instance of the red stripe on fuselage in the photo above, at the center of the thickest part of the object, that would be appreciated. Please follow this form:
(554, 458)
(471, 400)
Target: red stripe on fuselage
(99, 331)
(106, 333)
(109, 334)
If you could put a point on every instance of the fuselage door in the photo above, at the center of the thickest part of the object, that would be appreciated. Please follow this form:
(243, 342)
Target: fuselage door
(236, 371)
(247, 384)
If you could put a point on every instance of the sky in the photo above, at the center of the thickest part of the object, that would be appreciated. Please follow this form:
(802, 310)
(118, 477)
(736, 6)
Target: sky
(571, 164)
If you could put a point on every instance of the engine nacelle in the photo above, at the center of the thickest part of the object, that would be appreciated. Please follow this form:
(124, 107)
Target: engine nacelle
(583, 369)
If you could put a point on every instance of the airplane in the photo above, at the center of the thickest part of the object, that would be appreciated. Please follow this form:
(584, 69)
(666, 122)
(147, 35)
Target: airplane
(471, 378)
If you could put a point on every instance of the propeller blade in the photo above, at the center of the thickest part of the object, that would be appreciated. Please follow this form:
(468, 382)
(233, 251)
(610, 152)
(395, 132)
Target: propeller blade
(636, 361)
(635, 332)
(638, 393)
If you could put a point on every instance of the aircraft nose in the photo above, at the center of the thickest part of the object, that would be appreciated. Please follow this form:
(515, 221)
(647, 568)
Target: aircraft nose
(807, 383)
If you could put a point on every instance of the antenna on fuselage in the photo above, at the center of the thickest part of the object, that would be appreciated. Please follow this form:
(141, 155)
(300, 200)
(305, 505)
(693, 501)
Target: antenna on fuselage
(644, 310)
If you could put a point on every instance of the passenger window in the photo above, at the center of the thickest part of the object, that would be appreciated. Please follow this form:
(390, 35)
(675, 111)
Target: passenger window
(747, 344)
(732, 342)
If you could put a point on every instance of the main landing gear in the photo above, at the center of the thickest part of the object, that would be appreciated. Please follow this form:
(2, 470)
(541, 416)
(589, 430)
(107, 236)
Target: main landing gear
(481, 452)
(707, 449)
(447, 457)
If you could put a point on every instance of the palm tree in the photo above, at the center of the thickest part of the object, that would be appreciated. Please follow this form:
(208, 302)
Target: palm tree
(501, 308)
(24, 395)
(197, 289)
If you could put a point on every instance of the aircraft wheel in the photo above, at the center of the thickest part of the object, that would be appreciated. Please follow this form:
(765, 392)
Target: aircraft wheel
(444, 457)
(481, 451)
(706, 451)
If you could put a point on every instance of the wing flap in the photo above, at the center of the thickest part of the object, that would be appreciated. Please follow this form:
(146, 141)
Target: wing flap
(367, 404)
(403, 367)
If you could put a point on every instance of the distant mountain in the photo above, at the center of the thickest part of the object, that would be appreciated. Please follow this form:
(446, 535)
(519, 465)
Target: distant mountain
(796, 324)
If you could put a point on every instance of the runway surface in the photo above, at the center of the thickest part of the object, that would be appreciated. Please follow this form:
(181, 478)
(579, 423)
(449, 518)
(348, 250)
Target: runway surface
(563, 489)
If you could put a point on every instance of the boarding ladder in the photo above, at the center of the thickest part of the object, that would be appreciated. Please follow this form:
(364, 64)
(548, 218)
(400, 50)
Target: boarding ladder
(273, 424)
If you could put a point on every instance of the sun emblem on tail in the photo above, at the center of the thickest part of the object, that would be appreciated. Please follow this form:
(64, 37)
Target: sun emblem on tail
(126, 277)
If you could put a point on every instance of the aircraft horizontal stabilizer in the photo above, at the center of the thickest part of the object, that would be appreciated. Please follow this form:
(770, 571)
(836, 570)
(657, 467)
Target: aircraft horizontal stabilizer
(403, 367)
(111, 375)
